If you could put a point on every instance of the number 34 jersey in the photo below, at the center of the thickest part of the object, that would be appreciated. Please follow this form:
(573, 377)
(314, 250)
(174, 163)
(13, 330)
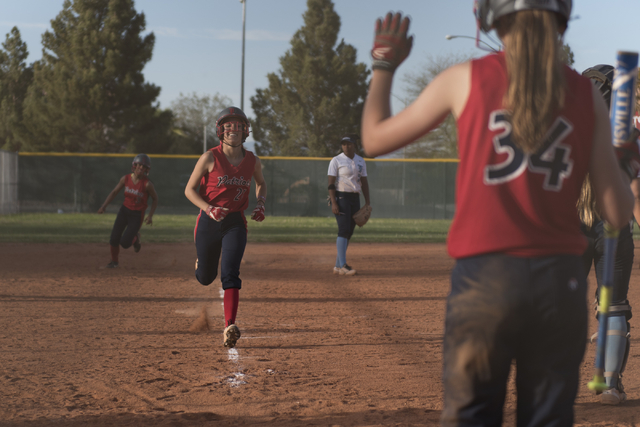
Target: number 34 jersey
(508, 201)
(227, 186)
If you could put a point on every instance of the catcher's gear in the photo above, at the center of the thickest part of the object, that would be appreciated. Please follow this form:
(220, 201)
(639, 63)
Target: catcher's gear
(362, 216)
(602, 76)
(237, 120)
(217, 213)
(629, 154)
(391, 45)
(141, 159)
(258, 213)
(488, 11)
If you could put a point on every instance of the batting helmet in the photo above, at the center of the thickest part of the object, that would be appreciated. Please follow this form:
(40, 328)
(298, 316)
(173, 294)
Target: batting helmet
(232, 113)
(602, 76)
(488, 11)
(141, 159)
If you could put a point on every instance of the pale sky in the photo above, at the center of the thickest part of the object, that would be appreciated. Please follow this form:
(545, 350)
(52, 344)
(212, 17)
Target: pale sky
(199, 42)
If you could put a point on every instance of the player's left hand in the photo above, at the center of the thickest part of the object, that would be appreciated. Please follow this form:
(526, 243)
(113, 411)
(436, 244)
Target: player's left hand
(629, 154)
(391, 45)
(258, 213)
(148, 220)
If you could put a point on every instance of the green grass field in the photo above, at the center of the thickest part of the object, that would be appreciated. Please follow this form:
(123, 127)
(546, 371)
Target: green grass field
(94, 228)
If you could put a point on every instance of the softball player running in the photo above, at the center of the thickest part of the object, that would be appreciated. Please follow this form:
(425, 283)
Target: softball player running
(219, 185)
(347, 177)
(618, 336)
(137, 190)
(529, 130)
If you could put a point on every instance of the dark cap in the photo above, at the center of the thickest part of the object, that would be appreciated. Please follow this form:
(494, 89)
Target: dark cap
(350, 138)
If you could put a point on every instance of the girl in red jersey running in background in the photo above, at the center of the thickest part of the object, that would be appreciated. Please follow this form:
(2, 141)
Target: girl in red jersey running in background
(529, 130)
(137, 189)
(219, 186)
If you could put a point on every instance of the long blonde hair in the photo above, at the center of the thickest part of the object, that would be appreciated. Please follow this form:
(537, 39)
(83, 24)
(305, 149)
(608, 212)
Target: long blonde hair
(587, 210)
(535, 70)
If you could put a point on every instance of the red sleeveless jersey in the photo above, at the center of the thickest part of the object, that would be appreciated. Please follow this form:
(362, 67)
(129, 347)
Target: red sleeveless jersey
(515, 203)
(227, 186)
(135, 195)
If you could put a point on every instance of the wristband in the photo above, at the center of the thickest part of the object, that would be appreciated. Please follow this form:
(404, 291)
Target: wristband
(332, 187)
(262, 199)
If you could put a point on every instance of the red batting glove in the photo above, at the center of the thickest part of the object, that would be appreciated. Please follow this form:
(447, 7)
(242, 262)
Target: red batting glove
(391, 45)
(258, 213)
(216, 213)
(629, 155)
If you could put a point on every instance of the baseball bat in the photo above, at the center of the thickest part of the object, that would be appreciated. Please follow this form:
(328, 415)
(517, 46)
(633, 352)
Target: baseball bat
(623, 105)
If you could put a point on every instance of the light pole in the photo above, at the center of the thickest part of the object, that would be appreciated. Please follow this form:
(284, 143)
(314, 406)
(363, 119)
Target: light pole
(244, 11)
(477, 40)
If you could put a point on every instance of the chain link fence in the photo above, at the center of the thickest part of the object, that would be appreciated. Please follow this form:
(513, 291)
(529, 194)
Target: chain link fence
(295, 186)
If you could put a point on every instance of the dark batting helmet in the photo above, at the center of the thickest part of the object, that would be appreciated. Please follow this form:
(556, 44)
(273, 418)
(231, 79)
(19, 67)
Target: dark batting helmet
(602, 76)
(141, 159)
(488, 11)
(228, 114)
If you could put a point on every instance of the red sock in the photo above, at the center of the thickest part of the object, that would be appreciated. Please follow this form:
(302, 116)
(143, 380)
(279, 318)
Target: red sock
(115, 250)
(231, 299)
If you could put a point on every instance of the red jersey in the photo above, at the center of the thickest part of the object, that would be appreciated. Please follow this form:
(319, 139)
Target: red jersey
(135, 195)
(508, 201)
(227, 186)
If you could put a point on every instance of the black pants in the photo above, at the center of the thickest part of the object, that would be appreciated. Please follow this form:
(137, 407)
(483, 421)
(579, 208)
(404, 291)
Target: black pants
(348, 203)
(220, 243)
(126, 227)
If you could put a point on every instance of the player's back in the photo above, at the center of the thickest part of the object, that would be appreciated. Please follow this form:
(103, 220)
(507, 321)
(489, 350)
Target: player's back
(508, 201)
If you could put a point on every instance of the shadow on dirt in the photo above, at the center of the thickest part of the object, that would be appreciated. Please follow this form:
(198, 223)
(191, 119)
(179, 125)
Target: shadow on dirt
(400, 417)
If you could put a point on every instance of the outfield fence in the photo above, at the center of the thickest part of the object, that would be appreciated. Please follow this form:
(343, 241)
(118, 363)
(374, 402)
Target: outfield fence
(55, 182)
(8, 183)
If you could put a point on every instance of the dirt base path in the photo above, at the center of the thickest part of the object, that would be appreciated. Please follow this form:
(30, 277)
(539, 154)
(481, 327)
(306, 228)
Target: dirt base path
(83, 345)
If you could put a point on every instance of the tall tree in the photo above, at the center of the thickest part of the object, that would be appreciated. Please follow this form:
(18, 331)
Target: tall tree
(191, 114)
(15, 78)
(89, 93)
(316, 96)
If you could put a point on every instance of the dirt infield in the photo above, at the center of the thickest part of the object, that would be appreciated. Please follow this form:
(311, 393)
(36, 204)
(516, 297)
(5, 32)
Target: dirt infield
(82, 345)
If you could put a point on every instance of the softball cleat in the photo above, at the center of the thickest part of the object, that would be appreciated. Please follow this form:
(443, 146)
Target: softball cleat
(347, 271)
(231, 336)
(137, 245)
(612, 396)
(336, 270)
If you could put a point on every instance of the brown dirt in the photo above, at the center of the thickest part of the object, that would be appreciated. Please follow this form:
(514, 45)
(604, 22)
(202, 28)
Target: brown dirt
(83, 345)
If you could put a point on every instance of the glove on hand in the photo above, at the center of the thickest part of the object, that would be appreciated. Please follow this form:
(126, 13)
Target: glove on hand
(216, 213)
(362, 216)
(258, 213)
(629, 154)
(391, 45)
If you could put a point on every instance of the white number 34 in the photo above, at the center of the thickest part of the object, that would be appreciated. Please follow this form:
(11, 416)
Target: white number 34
(552, 159)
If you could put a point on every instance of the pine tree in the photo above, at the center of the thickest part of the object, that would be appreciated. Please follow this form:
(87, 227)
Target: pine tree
(89, 93)
(192, 113)
(15, 77)
(317, 95)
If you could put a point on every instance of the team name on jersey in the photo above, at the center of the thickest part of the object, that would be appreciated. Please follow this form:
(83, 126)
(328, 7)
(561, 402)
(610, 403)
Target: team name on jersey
(225, 180)
(133, 191)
